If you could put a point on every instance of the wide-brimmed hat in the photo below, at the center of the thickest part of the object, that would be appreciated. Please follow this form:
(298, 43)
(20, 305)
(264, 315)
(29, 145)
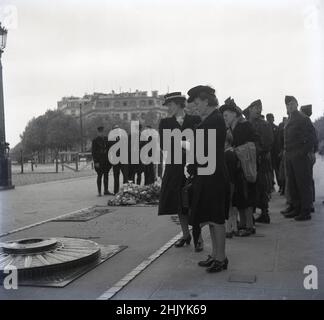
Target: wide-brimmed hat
(230, 105)
(194, 92)
(173, 96)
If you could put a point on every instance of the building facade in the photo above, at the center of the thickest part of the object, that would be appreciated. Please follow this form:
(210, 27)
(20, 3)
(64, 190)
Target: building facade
(126, 106)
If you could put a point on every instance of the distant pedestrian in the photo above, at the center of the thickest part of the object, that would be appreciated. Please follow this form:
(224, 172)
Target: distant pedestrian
(100, 159)
(119, 167)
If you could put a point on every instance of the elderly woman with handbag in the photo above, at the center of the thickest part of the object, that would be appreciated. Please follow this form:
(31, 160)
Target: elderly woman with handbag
(209, 205)
(244, 196)
(174, 180)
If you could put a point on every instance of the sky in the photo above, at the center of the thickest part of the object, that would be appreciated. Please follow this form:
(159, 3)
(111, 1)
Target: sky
(246, 49)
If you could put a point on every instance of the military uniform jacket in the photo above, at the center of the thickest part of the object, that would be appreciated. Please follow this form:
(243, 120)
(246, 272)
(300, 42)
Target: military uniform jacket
(299, 133)
(264, 136)
(100, 151)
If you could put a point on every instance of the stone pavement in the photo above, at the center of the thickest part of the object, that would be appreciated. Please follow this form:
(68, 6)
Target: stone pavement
(276, 256)
(46, 173)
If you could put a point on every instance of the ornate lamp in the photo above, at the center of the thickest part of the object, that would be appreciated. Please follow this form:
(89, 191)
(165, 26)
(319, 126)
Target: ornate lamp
(5, 163)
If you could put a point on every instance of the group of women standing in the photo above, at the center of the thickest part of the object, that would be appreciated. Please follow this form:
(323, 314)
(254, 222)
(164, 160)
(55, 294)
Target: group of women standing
(212, 197)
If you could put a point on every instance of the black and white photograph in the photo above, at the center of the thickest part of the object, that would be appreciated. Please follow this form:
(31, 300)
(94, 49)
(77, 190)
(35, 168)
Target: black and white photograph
(155, 151)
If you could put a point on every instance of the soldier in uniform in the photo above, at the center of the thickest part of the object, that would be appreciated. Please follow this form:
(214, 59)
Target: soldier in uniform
(100, 159)
(264, 142)
(307, 110)
(299, 153)
(120, 167)
(275, 160)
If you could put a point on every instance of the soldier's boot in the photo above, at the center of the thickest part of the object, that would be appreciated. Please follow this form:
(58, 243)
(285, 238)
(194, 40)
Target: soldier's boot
(292, 214)
(304, 215)
(264, 217)
(289, 209)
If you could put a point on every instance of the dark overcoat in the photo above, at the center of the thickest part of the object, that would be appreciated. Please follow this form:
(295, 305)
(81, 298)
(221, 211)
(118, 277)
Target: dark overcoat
(100, 153)
(244, 192)
(174, 179)
(210, 193)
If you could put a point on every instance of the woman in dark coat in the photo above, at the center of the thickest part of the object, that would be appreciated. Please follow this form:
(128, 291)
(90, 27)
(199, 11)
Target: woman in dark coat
(210, 190)
(174, 179)
(244, 196)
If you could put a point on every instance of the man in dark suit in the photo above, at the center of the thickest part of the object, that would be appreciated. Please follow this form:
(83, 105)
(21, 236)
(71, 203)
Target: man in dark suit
(100, 159)
(299, 152)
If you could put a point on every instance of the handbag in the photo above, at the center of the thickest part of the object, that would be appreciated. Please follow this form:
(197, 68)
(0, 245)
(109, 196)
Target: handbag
(246, 154)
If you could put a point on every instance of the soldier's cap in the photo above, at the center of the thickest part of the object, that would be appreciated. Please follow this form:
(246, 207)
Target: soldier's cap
(246, 112)
(269, 115)
(100, 128)
(230, 105)
(289, 99)
(307, 109)
(194, 92)
(172, 97)
(256, 103)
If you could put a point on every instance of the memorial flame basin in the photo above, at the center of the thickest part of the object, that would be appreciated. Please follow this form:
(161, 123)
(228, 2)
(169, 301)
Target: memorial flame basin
(38, 257)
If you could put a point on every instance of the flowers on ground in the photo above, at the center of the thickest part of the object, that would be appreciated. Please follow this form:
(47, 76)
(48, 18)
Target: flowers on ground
(131, 194)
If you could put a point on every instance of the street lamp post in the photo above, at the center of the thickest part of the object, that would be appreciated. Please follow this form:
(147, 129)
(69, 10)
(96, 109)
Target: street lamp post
(81, 128)
(5, 163)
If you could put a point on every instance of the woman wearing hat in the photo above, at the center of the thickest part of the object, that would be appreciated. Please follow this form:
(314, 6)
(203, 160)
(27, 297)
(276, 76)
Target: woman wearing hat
(174, 179)
(244, 192)
(210, 193)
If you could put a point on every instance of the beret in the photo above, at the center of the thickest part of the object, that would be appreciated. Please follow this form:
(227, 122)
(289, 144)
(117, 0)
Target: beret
(195, 91)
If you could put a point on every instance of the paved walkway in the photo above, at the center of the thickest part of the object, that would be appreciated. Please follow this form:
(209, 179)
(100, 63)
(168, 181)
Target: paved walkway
(276, 256)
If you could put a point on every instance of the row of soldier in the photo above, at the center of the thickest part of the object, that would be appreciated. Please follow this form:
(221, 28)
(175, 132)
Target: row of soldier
(129, 172)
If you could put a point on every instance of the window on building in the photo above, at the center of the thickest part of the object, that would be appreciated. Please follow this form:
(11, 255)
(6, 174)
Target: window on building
(143, 103)
(151, 102)
(117, 104)
(107, 104)
(125, 103)
(134, 116)
(125, 116)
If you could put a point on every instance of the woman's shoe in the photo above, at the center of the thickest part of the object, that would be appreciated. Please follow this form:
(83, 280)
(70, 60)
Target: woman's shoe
(181, 242)
(199, 246)
(218, 266)
(206, 263)
(251, 230)
(244, 233)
